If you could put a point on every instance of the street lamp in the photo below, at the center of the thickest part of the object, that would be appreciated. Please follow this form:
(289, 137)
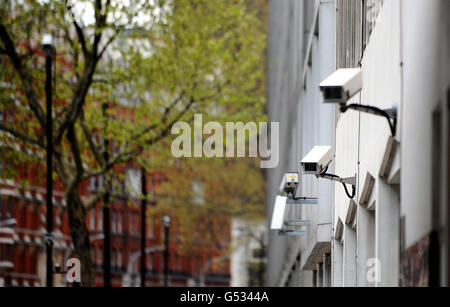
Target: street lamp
(106, 214)
(143, 225)
(166, 223)
(47, 46)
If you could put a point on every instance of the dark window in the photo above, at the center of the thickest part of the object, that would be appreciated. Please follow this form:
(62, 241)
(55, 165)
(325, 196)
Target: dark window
(1, 208)
(355, 21)
(10, 208)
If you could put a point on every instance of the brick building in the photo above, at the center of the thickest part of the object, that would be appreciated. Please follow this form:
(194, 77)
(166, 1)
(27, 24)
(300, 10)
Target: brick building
(22, 249)
(23, 226)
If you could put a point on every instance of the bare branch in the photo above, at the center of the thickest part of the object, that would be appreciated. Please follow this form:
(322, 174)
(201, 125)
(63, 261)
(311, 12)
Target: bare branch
(109, 42)
(91, 58)
(22, 136)
(25, 76)
(92, 146)
(81, 38)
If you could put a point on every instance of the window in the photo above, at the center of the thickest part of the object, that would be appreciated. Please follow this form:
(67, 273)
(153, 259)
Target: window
(133, 182)
(9, 208)
(198, 192)
(119, 259)
(355, 21)
(100, 183)
(99, 255)
(113, 222)
(130, 222)
(120, 222)
(92, 184)
(58, 221)
(135, 263)
(100, 219)
(133, 222)
(149, 263)
(92, 219)
(1, 208)
(93, 253)
(113, 258)
(150, 233)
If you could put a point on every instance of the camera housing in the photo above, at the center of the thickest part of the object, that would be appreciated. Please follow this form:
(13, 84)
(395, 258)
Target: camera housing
(317, 160)
(342, 85)
(289, 184)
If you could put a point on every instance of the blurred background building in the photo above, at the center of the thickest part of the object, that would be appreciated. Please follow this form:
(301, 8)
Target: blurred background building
(22, 249)
(395, 232)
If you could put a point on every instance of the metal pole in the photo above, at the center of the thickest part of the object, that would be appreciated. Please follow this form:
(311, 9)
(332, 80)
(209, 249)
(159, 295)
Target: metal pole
(49, 195)
(166, 250)
(143, 225)
(106, 221)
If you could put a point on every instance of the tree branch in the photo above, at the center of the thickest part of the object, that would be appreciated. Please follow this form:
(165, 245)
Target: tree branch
(92, 58)
(81, 38)
(77, 157)
(25, 76)
(110, 40)
(22, 136)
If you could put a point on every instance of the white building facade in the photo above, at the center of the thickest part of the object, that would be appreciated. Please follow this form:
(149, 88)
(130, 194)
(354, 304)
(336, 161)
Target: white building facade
(394, 232)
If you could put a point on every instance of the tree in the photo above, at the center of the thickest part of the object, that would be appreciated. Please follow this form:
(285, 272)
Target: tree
(210, 192)
(153, 63)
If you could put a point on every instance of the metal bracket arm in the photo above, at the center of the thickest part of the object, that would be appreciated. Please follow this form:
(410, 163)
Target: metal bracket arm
(295, 223)
(389, 114)
(302, 201)
(291, 233)
(350, 180)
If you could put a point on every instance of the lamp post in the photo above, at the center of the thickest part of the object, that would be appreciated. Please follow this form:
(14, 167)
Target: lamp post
(106, 216)
(166, 223)
(47, 46)
(143, 224)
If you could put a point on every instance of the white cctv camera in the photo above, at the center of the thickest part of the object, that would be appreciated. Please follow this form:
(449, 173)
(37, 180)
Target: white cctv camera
(317, 160)
(289, 184)
(340, 86)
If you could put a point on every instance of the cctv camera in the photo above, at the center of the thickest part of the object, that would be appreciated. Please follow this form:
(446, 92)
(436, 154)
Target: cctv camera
(289, 184)
(317, 160)
(341, 85)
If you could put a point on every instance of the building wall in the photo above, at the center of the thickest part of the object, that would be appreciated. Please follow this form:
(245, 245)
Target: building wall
(283, 65)
(401, 205)
(301, 52)
(247, 265)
